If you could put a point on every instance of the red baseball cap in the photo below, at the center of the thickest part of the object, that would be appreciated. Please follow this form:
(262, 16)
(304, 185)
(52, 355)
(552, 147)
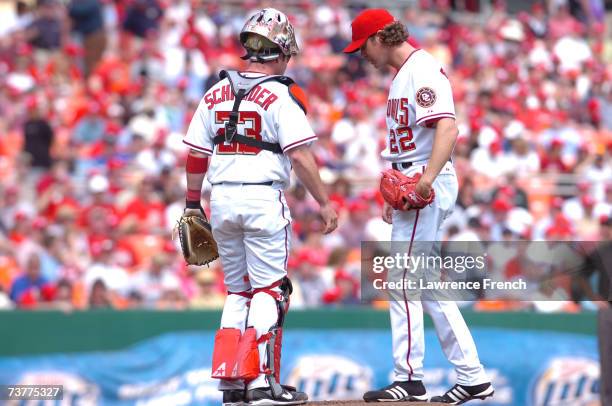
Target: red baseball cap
(366, 24)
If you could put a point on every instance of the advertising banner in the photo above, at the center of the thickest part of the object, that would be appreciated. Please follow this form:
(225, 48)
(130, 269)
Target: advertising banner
(527, 368)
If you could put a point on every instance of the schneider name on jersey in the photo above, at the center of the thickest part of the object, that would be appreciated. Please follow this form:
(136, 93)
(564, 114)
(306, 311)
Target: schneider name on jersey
(267, 113)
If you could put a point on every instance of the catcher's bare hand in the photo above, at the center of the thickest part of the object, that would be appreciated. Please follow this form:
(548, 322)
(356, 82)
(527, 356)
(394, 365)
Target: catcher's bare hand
(330, 218)
(387, 213)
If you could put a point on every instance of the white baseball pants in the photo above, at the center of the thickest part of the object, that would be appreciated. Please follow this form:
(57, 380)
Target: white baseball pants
(407, 315)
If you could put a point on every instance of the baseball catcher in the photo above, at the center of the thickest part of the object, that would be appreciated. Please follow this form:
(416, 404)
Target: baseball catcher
(253, 128)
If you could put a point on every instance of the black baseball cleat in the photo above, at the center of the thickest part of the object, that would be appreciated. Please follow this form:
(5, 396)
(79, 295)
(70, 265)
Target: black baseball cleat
(459, 394)
(265, 397)
(398, 391)
(234, 397)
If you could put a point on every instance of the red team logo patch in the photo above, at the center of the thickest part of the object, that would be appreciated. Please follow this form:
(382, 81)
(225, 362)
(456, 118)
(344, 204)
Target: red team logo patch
(425, 97)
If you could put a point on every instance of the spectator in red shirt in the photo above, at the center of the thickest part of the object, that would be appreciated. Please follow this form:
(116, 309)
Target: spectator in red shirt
(345, 291)
(145, 212)
(551, 160)
(101, 205)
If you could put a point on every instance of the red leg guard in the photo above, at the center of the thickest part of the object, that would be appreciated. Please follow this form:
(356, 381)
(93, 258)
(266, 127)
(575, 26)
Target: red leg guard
(224, 354)
(247, 356)
(274, 337)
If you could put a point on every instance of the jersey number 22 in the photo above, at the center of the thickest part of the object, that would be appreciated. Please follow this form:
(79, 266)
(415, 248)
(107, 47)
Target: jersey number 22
(400, 140)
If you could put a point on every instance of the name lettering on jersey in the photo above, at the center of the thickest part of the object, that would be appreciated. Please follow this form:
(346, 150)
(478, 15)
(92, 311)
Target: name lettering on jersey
(397, 109)
(259, 95)
(218, 95)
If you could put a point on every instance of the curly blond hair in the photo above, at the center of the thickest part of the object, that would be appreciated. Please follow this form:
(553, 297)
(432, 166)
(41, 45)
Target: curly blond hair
(393, 34)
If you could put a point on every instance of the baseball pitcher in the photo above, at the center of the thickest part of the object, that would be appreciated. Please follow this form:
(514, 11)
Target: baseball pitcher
(420, 192)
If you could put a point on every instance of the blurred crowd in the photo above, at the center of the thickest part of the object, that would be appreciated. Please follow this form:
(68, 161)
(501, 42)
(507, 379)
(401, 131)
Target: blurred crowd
(95, 96)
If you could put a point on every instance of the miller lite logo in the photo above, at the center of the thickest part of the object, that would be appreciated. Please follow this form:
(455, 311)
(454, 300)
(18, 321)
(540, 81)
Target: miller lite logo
(326, 377)
(568, 381)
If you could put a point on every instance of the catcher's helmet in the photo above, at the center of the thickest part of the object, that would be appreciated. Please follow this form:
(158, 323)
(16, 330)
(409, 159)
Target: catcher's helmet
(274, 35)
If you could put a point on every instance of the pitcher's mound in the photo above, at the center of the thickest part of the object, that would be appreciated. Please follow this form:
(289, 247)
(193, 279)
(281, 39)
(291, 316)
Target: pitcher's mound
(362, 403)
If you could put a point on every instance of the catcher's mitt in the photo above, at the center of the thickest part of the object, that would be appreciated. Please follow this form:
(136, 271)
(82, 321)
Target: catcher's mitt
(197, 242)
(399, 191)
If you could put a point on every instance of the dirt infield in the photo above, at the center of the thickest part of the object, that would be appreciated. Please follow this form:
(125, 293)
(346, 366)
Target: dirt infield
(362, 403)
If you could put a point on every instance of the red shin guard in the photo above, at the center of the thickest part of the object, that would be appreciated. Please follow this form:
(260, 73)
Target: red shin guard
(235, 355)
(248, 356)
(224, 354)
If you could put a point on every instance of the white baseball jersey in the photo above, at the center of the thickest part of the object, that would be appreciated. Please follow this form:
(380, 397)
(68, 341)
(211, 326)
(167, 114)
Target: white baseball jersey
(267, 113)
(420, 93)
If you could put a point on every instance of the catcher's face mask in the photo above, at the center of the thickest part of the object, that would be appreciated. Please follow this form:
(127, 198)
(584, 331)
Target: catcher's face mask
(276, 28)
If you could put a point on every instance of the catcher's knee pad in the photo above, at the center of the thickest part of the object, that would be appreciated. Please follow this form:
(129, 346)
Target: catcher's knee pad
(236, 310)
(281, 291)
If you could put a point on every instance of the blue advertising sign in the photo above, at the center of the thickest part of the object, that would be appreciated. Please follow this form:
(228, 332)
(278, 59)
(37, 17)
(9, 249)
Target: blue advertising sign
(527, 368)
